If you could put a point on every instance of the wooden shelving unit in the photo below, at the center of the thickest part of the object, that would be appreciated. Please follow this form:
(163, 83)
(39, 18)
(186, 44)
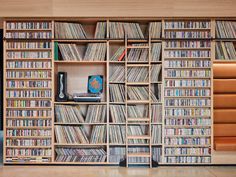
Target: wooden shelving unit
(158, 149)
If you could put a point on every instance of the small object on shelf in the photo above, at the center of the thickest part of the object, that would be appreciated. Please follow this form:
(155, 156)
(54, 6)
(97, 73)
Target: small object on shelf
(95, 84)
(86, 97)
(62, 87)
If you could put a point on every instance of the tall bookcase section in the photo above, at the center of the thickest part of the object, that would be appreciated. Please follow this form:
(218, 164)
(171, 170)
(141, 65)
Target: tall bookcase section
(81, 128)
(187, 92)
(28, 92)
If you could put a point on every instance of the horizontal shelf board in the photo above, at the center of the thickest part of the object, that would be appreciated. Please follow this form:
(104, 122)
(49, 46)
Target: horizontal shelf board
(139, 119)
(187, 155)
(225, 39)
(187, 48)
(117, 123)
(138, 144)
(138, 101)
(67, 144)
(156, 82)
(77, 123)
(114, 82)
(116, 144)
(137, 62)
(38, 117)
(28, 49)
(29, 88)
(28, 78)
(30, 147)
(186, 145)
(79, 103)
(187, 106)
(156, 102)
(137, 83)
(187, 136)
(139, 137)
(116, 62)
(27, 69)
(156, 144)
(139, 154)
(80, 62)
(29, 137)
(28, 107)
(9, 30)
(79, 40)
(28, 127)
(156, 62)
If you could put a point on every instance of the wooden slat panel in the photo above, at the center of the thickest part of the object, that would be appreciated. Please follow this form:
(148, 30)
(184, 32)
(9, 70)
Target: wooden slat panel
(225, 101)
(224, 85)
(225, 116)
(224, 70)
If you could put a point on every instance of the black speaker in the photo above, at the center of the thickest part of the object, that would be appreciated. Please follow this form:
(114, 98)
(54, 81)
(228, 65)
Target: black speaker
(62, 86)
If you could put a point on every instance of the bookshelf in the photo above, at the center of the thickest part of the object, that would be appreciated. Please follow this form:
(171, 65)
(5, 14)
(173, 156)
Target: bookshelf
(150, 67)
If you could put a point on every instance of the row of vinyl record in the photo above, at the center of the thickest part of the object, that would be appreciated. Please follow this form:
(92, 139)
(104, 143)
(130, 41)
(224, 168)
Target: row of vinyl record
(29, 123)
(28, 113)
(187, 131)
(187, 24)
(29, 74)
(28, 45)
(29, 64)
(173, 141)
(134, 93)
(135, 74)
(188, 102)
(187, 53)
(27, 132)
(29, 84)
(187, 73)
(28, 54)
(187, 151)
(225, 50)
(187, 112)
(28, 103)
(28, 152)
(188, 122)
(29, 35)
(28, 25)
(29, 142)
(96, 113)
(187, 44)
(188, 34)
(187, 64)
(187, 92)
(80, 155)
(225, 29)
(187, 159)
(29, 93)
(188, 83)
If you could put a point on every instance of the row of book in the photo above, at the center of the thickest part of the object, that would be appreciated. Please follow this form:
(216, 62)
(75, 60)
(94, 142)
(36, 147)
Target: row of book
(28, 74)
(80, 155)
(187, 34)
(187, 159)
(29, 35)
(187, 53)
(28, 132)
(187, 24)
(188, 112)
(28, 25)
(29, 142)
(225, 51)
(187, 73)
(187, 131)
(29, 93)
(173, 141)
(28, 159)
(187, 102)
(28, 113)
(187, 151)
(28, 64)
(187, 64)
(28, 54)
(29, 122)
(14, 152)
(187, 92)
(28, 45)
(188, 83)
(187, 121)
(28, 103)
(28, 84)
(187, 44)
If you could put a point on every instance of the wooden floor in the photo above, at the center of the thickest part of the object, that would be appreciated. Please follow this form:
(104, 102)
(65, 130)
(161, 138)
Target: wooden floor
(98, 171)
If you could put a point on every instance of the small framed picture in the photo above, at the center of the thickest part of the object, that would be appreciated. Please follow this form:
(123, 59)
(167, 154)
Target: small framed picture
(95, 84)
